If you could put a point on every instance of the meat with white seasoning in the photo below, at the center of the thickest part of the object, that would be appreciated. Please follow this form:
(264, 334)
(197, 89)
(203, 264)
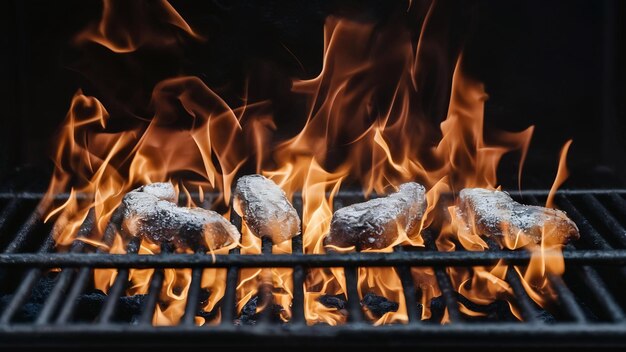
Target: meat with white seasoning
(495, 213)
(151, 212)
(376, 224)
(265, 209)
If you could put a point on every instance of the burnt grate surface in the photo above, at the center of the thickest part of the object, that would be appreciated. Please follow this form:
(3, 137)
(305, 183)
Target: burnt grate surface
(589, 311)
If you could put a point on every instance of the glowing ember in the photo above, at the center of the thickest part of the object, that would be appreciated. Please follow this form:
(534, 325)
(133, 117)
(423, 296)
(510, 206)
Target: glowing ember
(365, 125)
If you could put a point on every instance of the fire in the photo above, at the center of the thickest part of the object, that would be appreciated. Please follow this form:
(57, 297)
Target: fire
(126, 26)
(197, 144)
(561, 175)
(271, 286)
(365, 125)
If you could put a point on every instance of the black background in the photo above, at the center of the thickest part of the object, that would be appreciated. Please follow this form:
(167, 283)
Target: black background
(554, 64)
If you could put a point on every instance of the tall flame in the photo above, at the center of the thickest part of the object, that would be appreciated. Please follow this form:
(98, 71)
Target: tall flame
(561, 174)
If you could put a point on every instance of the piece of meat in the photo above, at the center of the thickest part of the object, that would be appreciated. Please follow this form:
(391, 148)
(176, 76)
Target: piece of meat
(375, 224)
(265, 209)
(495, 213)
(161, 190)
(150, 212)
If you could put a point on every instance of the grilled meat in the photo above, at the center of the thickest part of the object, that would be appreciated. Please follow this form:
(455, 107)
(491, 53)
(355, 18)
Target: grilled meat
(265, 209)
(151, 212)
(495, 213)
(376, 224)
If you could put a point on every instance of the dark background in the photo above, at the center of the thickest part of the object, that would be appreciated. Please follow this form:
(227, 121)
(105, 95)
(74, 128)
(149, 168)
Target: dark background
(555, 64)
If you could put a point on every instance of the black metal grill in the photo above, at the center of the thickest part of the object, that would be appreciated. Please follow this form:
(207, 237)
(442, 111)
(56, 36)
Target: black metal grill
(590, 310)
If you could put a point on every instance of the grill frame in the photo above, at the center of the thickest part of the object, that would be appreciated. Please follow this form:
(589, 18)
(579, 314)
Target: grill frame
(58, 330)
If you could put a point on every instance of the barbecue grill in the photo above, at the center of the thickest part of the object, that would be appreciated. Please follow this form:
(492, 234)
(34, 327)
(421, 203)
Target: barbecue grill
(371, 81)
(589, 311)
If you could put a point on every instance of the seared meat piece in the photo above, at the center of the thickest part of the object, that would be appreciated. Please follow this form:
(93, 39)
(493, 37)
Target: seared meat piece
(265, 209)
(375, 224)
(495, 213)
(149, 211)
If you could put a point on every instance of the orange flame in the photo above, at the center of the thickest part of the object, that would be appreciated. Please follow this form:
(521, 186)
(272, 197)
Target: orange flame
(561, 175)
(196, 143)
(364, 124)
(275, 284)
(125, 26)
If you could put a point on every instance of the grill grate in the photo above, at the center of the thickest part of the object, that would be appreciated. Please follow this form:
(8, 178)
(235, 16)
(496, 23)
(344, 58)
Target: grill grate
(590, 295)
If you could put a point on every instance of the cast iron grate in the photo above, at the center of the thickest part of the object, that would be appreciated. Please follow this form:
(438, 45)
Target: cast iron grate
(590, 305)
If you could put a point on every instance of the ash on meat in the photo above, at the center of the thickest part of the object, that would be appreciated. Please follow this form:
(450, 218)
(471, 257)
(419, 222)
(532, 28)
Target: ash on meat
(265, 209)
(495, 213)
(377, 223)
(150, 212)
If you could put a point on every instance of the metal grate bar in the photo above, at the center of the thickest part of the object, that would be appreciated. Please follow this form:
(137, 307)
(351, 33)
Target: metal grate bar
(528, 309)
(156, 283)
(443, 280)
(193, 297)
(527, 306)
(588, 233)
(27, 228)
(9, 211)
(434, 337)
(567, 300)
(415, 259)
(58, 292)
(355, 314)
(265, 291)
(154, 291)
(266, 245)
(299, 274)
(266, 297)
(20, 295)
(409, 294)
(67, 310)
(354, 194)
(228, 306)
(408, 286)
(297, 304)
(24, 290)
(616, 229)
(84, 274)
(55, 296)
(119, 284)
(449, 295)
(64, 280)
(619, 203)
(603, 296)
(116, 290)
